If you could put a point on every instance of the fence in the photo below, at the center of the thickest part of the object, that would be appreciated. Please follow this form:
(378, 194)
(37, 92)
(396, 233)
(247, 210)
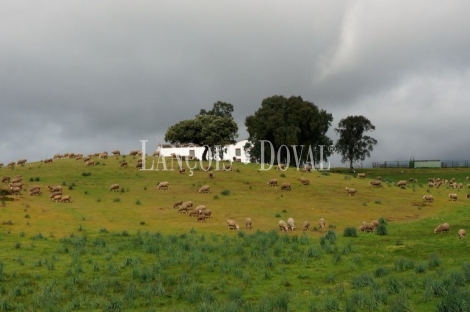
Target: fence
(411, 164)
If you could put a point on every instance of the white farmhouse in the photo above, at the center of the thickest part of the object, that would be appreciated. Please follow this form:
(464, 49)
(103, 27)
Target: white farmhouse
(233, 152)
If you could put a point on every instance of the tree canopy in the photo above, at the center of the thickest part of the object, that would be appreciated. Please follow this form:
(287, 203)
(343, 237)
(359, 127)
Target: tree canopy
(288, 121)
(352, 144)
(215, 127)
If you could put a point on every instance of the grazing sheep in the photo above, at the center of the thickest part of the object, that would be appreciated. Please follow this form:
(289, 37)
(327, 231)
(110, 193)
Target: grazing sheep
(204, 189)
(468, 185)
(459, 186)
(361, 175)
(285, 187)
(16, 184)
(207, 168)
(228, 167)
(306, 226)
(201, 218)
(52, 195)
(401, 183)
(290, 224)
(156, 153)
(116, 153)
(138, 165)
(66, 199)
(304, 181)
(207, 213)
(21, 162)
(178, 203)
(411, 180)
(232, 225)
(466, 178)
(283, 225)
(453, 197)
(6, 179)
(321, 224)
(375, 183)
(367, 227)
(34, 192)
(16, 191)
(272, 182)
(280, 167)
(444, 227)
(134, 153)
(163, 186)
(114, 187)
(182, 170)
(57, 156)
(351, 191)
(461, 233)
(34, 187)
(183, 209)
(193, 213)
(90, 163)
(378, 178)
(468, 195)
(428, 198)
(211, 175)
(124, 164)
(57, 188)
(11, 164)
(48, 160)
(248, 223)
(188, 204)
(200, 208)
(375, 223)
(17, 179)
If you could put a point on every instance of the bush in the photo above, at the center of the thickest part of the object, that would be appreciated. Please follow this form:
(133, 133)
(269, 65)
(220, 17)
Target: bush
(350, 232)
(421, 268)
(116, 200)
(225, 192)
(86, 174)
(381, 229)
(378, 201)
(381, 271)
(137, 202)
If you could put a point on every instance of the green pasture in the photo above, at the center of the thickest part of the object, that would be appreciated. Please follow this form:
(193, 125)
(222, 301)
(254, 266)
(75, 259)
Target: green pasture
(131, 251)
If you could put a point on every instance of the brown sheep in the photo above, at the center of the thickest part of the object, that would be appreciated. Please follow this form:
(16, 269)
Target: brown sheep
(124, 164)
(468, 195)
(207, 213)
(6, 179)
(461, 233)
(211, 175)
(57, 156)
(182, 170)
(321, 224)
(21, 162)
(375, 183)
(375, 223)
(232, 225)
(304, 181)
(401, 183)
(444, 227)
(228, 167)
(57, 198)
(52, 195)
(57, 188)
(116, 153)
(285, 187)
(306, 226)
(138, 165)
(453, 197)
(66, 199)
(204, 189)
(361, 175)
(34, 192)
(177, 204)
(281, 167)
(183, 209)
(103, 155)
(163, 186)
(48, 161)
(90, 163)
(351, 191)
(283, 226)
(11, 164)
(188, 204)
(17, 179)
(248, 223)
(193, 213)
(272, 182)
(16, 191)
(428, 198)
(16, 184)
(367, 227)
(290, 224)
(34, 187)
(114, 188)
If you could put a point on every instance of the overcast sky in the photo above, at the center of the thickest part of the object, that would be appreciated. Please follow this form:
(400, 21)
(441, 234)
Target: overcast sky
(91, 76)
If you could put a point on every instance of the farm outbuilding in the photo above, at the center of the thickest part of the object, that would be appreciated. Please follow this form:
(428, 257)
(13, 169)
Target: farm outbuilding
(233, 152)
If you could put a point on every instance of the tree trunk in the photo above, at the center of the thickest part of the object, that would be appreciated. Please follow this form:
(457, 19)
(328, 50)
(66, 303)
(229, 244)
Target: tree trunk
(351, 165)
(204, 154)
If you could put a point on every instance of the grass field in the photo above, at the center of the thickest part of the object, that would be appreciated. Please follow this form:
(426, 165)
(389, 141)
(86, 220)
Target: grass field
(131, 251)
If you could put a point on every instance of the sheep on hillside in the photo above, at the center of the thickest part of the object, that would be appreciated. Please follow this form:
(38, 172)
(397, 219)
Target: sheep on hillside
(453, 197)
(163, 186)
(321, 224)
(290, 224)
(306, 226)
(285, 187)
(204, 189)
(114, 188)
(351, 191)
(283, 225)
(428, 198)
(461, 233)
(272, 182)
(248, 223)
(232, 225)
(444, 227)
(401, 183)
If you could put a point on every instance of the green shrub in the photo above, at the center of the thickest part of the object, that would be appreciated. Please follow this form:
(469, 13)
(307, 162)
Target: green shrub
(421, 268)
(225, 192)
(381, 271)
(137, 202)
(381, 229)
(403, 264)
(378, 201)
(282, 175)
(350, 232)
(434, 261)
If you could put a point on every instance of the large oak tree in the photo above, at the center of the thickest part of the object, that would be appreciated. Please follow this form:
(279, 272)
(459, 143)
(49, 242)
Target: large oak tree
(288, 121)
(209, 128)
(353, 144)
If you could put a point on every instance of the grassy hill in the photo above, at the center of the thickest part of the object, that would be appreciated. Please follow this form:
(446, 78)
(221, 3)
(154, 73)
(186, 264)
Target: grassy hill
(131, 250)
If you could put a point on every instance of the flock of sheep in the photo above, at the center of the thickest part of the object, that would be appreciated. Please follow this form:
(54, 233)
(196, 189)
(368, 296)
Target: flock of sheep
(428, 198)
(202, 213)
